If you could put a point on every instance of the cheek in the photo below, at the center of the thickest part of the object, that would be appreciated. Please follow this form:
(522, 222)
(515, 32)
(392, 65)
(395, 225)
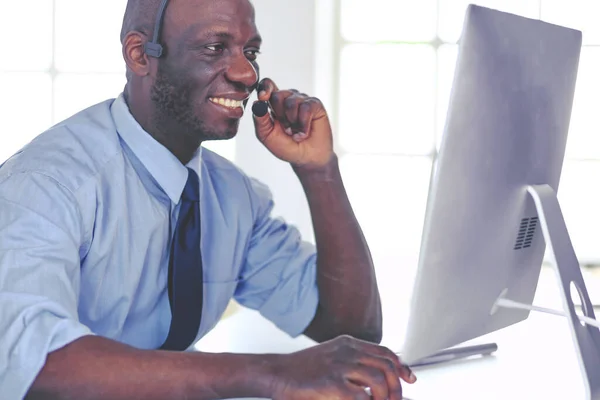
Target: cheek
(199, 82)
(199, 89)
(198, 76)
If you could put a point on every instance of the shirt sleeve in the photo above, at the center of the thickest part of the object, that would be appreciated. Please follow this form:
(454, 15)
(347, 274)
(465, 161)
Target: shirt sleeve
(40, 236)
(279, 275)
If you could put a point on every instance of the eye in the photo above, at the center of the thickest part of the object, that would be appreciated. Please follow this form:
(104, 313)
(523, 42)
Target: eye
(252, 54)
(215, 48)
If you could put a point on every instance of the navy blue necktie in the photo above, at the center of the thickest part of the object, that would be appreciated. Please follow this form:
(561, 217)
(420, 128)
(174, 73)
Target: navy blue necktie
(185, 270)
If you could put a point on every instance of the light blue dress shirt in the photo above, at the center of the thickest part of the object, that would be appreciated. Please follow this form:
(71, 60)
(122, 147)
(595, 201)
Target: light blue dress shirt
(87, 211)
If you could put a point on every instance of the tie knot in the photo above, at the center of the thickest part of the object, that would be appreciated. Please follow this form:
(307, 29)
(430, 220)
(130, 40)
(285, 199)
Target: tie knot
(191, 191)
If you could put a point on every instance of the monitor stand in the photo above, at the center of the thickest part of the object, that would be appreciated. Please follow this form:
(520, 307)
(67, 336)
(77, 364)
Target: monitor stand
(564, 260)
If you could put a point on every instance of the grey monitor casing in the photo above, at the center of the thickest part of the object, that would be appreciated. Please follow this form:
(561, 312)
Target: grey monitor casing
(506, 129)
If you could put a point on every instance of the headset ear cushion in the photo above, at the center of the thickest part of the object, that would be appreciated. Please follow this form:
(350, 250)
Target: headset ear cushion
(153, 49)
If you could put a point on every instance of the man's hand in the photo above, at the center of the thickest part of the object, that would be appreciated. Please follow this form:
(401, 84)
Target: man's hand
(297, 129)
(341, 369)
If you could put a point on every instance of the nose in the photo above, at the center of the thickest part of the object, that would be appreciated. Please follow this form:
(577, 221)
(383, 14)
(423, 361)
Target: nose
(241, 71)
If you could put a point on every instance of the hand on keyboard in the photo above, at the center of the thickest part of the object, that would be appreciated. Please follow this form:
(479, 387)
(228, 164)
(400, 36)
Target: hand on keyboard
(341, 369)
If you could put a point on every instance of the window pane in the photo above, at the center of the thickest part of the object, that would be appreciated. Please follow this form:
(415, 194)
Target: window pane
(452, 13)
(401, 20)
(26, 105)
(31, 21)
(447, 55)
(584, 132)
(387, 99)
(74, 92)
(579, 196)
(389, 195)
(578, 14)
(87, 35)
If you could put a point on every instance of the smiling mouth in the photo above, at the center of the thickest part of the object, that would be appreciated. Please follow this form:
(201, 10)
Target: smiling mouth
(229, 103)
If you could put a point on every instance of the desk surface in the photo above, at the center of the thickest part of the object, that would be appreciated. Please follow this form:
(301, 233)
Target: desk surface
(535, 360)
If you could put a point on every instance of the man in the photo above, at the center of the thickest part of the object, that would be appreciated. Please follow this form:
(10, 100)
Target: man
(97, 213)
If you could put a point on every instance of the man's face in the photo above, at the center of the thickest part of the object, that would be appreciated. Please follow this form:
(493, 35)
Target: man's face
(209, 69)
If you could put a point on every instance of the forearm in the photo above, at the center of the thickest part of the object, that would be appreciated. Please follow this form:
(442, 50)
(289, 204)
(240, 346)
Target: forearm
(98, 368)
(349, 300)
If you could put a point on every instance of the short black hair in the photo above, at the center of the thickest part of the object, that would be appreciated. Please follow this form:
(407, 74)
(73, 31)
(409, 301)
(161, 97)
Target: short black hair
(140, 16)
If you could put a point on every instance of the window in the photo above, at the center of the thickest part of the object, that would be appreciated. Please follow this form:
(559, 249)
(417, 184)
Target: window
(395, 61)
(68, 57)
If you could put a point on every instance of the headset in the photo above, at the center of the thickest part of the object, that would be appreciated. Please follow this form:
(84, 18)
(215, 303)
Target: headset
(154, 48)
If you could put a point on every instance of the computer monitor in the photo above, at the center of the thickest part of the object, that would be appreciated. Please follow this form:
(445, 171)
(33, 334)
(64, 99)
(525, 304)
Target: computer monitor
(503, 146)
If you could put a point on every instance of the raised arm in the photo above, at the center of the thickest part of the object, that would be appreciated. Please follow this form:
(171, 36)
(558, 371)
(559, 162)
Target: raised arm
(297, 130)
(348, 295)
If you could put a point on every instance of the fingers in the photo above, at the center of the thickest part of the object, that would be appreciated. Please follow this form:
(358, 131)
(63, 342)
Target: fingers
(284, 104)
(373, 378)
(355, 392)
(390, 373)
(291, 106)
(296, 129)
(294, 110)
(376, 367)
(266, 87)
(342, 368)
(404, 372)
(306, 114)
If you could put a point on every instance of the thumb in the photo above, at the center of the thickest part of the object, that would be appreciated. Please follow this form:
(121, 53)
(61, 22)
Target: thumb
(263, 122)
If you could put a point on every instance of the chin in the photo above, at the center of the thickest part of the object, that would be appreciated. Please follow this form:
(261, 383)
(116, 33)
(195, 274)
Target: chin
(227, 136)
(219, 133)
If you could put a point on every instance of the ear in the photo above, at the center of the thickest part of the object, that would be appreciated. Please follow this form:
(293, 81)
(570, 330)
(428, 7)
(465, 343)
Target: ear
(133, 52)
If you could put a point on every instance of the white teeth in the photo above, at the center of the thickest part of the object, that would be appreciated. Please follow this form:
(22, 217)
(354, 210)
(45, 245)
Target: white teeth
(226, 102)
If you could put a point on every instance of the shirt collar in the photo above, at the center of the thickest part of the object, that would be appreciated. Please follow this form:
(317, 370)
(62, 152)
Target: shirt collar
(164, 167)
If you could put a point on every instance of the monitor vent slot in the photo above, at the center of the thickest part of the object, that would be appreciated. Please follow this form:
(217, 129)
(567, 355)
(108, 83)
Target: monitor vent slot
(526, 233)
